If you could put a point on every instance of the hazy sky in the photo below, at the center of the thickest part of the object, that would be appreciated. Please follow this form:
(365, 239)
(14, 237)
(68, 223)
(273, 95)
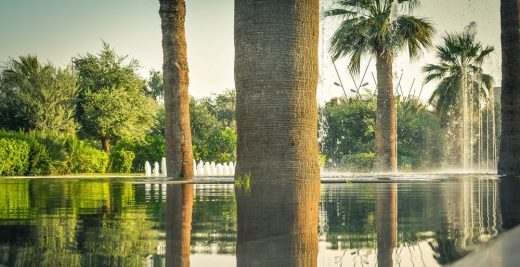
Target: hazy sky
(56, 30)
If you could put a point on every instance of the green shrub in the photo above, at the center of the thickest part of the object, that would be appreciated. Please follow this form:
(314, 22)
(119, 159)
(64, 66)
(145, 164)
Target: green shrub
(14, 157)
(53, 153)
(121, 161)
(362, 162)
(152, 149)
(39, 159)
(87, 159)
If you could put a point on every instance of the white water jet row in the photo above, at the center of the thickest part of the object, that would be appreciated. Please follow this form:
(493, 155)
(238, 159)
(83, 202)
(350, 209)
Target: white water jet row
(199, 169)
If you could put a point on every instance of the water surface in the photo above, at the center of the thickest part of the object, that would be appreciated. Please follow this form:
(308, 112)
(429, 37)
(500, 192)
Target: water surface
(123, 222)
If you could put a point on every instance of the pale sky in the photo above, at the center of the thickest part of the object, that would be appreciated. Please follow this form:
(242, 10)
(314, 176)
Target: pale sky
(56, 30)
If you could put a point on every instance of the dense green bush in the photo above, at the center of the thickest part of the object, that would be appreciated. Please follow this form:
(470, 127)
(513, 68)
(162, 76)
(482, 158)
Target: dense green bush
(362, 162)
(14, 157)
(121, 161)
(53, 153)
(152, 149)
(87, 159)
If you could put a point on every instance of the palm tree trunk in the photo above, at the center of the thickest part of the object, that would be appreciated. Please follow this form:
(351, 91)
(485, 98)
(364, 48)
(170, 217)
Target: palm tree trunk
(386, 130)
(276, 73)
(179, 155)
(179, 208)
(509, 160)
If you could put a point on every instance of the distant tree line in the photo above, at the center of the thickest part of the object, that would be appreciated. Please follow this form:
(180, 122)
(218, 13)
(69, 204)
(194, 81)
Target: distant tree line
(101, 102)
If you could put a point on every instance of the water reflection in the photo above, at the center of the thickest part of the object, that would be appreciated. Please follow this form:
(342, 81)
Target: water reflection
(120, 223)
(386, 222)
(278, 224)
(179, 207)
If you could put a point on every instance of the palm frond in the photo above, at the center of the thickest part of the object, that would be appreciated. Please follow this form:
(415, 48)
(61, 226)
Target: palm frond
(416, 33)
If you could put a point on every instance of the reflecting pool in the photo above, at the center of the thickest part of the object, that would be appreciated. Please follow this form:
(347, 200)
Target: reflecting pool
(132, 222)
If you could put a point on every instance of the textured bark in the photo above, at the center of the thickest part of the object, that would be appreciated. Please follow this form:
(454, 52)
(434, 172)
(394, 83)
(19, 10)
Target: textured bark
(105, 143)
(277, 225)
(276, 73)
(179, 207)
(179, 155)
(386, 130)
(386, 222)
(509, 161)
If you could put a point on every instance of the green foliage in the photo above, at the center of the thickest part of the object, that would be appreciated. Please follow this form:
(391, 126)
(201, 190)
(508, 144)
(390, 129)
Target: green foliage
(213, 127)
(368, 27)
(113, 104)
(350, 127)
(460, 64)
(155, 86)
(350, 136)
(35, 96)
(152, 149)
(420, 136)
(14, 155)
(362, 162)
(53, 153)
(121, 161)
(117, 113)
(87, 159)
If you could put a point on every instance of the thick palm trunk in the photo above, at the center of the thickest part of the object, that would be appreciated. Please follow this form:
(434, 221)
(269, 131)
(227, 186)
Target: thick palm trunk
(179, 207)
(276, 73)
(509, 161)
(386, 222)
(278, 224)
(386, 130)
(179, 155)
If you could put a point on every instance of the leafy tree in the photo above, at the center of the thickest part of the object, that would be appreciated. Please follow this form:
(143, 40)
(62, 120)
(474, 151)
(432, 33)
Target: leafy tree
(373, 27)
(112, 101)
(462, 82)
(222, 106)
(155, 85)
(35, 96)
(350, 127)
(117, 113)
(350, 134)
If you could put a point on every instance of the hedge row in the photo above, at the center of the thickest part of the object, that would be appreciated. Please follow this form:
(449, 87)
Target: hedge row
(43, 153)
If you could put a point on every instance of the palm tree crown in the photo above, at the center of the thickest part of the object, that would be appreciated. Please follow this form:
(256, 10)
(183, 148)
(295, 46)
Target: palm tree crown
(460, 64)
(373, 27)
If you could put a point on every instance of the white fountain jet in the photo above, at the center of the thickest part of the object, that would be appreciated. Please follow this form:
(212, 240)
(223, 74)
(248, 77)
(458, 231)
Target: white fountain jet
(220, 170)
(163, 167)
(147, 169)
(156, 169)
(207, 169)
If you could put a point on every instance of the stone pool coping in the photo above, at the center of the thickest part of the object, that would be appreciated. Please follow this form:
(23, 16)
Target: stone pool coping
(328, 178)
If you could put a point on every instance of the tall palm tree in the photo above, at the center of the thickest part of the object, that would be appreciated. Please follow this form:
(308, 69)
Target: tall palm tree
(373, 27)
(276, 73)
(509, 160)
(179, 155)
(462, 82)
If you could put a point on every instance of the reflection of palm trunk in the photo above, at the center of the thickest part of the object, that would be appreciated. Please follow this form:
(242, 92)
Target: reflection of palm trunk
(510, 202)
(179, 206)
(278, 225)
(386, 222)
